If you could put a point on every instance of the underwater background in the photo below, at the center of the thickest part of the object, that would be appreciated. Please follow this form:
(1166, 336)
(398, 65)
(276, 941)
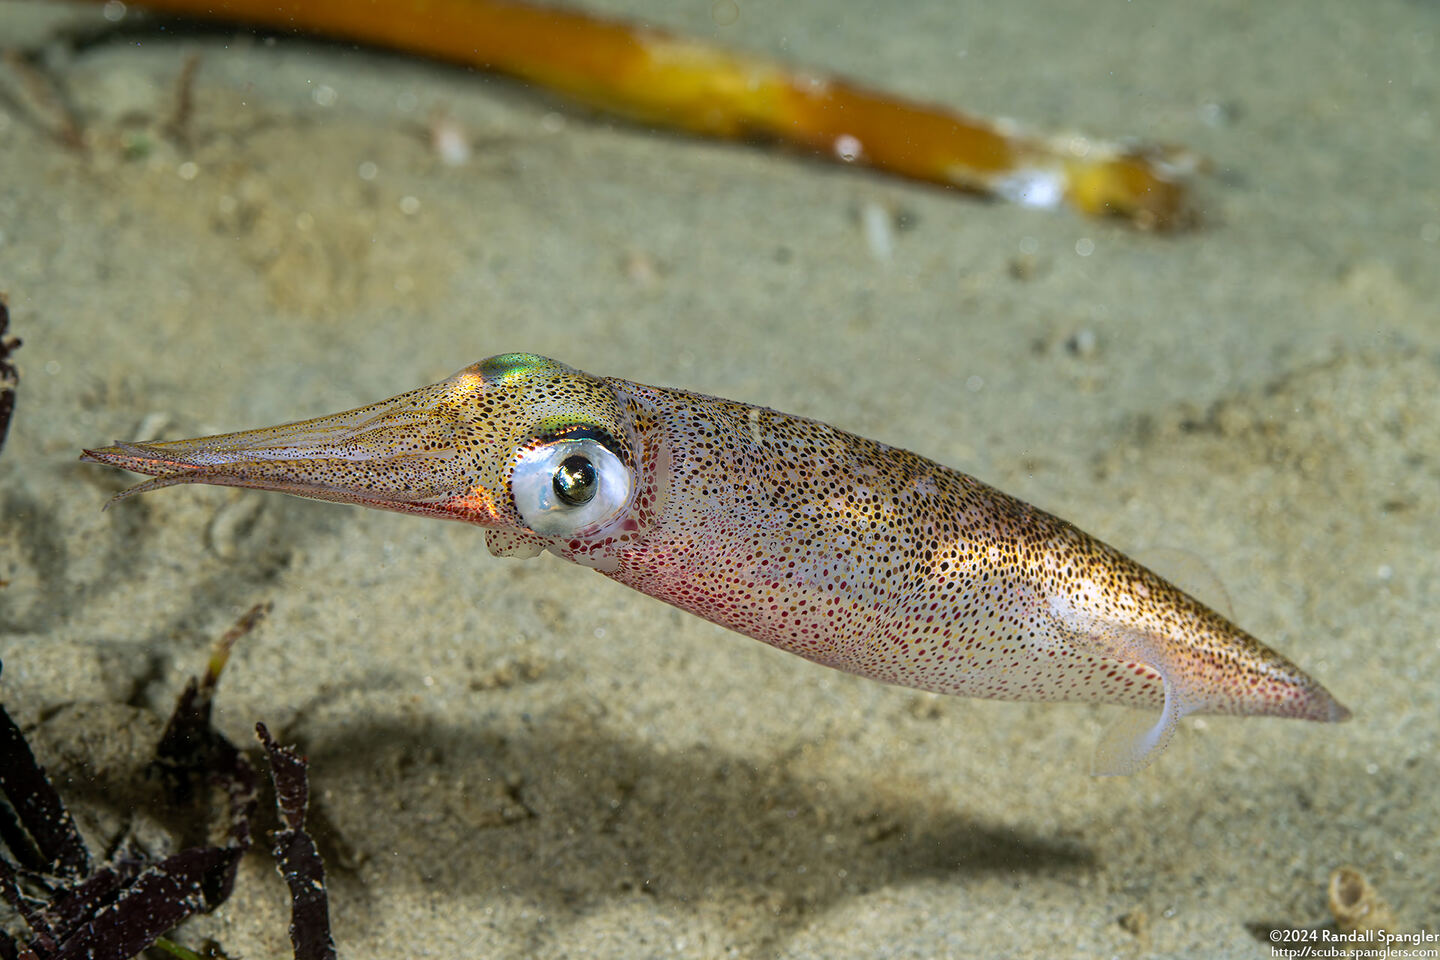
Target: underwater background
(522, 759)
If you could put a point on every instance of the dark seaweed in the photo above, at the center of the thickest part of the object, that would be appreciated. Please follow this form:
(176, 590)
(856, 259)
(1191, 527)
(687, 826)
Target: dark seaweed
(74, 910)
(9, 376)
(34, 823)
(296, 856)
(119, 909)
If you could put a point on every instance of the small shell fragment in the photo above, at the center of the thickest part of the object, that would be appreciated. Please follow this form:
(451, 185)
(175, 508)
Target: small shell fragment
(1355, 904)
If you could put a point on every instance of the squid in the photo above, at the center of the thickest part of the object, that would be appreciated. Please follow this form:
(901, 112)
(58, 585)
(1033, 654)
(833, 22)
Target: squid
(850, 553)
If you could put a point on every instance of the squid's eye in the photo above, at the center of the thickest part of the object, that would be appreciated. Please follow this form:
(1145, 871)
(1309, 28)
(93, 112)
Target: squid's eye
(576, 481)
(572, 486)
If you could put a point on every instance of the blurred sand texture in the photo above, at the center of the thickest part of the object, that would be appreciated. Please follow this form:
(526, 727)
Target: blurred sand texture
(524, 760)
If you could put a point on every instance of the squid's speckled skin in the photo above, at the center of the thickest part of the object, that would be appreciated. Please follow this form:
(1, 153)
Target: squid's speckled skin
(850, 553)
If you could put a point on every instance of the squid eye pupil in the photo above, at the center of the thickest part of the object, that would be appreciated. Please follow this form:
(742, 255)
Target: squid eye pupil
(575, 481)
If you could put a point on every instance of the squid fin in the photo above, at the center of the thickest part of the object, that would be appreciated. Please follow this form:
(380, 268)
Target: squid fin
(1135, 738)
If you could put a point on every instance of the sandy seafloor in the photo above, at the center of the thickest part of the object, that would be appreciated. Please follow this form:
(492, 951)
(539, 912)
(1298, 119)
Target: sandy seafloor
(526, 760)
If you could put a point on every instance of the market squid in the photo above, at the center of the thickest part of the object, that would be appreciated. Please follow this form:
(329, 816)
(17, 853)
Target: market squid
(845, 551)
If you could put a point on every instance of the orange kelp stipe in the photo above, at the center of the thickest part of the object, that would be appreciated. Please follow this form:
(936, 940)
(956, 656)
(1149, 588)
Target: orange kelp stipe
(651, 77)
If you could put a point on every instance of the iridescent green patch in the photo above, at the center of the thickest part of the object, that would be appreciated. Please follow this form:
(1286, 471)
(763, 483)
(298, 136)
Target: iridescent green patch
(507, 366)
